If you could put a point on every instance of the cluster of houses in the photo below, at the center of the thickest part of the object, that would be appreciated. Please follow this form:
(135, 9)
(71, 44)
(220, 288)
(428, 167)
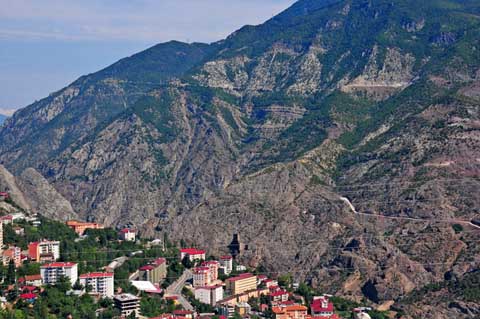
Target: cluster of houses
(232, 296)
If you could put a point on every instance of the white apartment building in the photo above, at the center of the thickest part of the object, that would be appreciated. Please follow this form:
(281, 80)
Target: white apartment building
(52, 272)
(99, 283)
(209, 295)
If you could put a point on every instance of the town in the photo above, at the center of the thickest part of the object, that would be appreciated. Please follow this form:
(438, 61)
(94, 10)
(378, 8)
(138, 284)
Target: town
(85, 270)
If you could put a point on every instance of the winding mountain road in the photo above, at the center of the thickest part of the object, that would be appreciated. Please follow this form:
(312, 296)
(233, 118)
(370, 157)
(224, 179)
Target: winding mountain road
(175, 289)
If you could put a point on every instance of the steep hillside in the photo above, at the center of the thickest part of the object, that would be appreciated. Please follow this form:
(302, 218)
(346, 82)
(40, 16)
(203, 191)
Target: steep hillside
(274, 131)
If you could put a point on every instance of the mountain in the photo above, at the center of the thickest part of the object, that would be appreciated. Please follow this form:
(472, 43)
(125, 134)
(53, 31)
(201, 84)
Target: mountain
(2, 118)
(339, 139)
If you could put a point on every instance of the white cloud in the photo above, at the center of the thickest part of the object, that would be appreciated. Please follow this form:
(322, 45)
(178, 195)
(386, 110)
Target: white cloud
(6, 111)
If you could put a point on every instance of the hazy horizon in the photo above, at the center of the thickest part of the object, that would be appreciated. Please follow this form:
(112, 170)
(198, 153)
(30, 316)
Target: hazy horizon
(47, 45)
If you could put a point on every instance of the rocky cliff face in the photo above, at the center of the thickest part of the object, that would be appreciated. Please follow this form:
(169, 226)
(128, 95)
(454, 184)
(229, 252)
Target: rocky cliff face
(270, 132)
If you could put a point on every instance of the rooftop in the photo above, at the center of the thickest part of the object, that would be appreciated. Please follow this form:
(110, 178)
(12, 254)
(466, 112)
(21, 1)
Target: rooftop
(126, 297)
(192, 251)
(97, 275)
(240, 277)
(59, 265)
(283, 309)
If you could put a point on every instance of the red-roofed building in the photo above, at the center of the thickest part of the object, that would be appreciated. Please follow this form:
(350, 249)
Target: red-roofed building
(33, 280)
(201, 277)
(322, 308)
(290, 312)
(128, 234)
(81, 227)
(213, 265)
(241, 283)
(12, 253)
(44, 251)
(183, 313)
(52, 272)
(192, 253)
(155, 272)
(100, 283)
(279, 296)
(28, 297)
(8, 219)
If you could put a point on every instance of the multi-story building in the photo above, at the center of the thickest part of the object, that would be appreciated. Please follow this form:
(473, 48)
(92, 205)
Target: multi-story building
(213, 265)
(128, 234)
(226, 264)
(1, 235)
(241, 283)
(209, 294)
(201, 277)
(279, 295)
(322, 308)
(192, 253)
(44, 251)
(52, 272)
(33, 280)
(127, 304)
(154, 272)
(290, 312)
(81, 227)
(12, 253)
(98, 283)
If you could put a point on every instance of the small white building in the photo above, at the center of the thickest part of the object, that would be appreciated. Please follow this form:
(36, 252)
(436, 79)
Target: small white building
(99, 283)
(209, 295)
(226, 264)
(192, 253)
(52, 272)
(128, 234)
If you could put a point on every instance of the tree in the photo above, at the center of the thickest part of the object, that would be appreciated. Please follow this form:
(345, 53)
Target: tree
(186, 262)
(11, 273)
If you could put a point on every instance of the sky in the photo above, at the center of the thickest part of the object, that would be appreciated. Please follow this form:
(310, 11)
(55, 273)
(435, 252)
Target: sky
(47, 44)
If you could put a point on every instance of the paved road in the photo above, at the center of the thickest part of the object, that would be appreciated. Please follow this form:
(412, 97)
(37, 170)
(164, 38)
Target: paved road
(175, 289)
(450, 221)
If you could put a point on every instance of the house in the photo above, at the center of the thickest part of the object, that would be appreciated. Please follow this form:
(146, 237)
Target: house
(279, 296)
(12, 253)
(7, 219)
(321, 307)
(290, 312)
(241, 283)
(81, 227)
(226, 264)
(209, 294)
(98, 283)
(183, 314)
(128, 234)
(154, 272)
(4, 195)
(50, 273)
(243, 308)
(33, 280)
(192, 253)
(44, 251)
(127, 304)
(201, 277)
(29, 297)
(213, 265)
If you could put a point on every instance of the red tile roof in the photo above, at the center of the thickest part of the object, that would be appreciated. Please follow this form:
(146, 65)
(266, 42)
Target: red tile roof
(28, 296)
(279, 293)
(147, 268)
(97, 275)
(317, 306)
(192, 251)
(33, 277)
(160, 261)
(182, 312)
(226, 257)
(127, 230)
(240, 277)
(58, 265)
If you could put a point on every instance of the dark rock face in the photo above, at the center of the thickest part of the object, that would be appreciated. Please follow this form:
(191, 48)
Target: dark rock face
(266, 134)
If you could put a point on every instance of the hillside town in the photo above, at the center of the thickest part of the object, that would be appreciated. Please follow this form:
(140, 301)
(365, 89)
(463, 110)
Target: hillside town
(144, 278)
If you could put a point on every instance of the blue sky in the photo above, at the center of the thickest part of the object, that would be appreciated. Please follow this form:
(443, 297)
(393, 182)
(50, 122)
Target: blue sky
(46, 44)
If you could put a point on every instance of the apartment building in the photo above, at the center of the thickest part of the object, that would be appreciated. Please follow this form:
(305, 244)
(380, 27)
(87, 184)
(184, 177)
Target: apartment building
(241, 283)
(99, 283)
(52, 272)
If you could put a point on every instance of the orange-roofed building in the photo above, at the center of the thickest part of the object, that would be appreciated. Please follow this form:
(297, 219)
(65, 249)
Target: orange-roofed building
(290, 312)
(81, 227)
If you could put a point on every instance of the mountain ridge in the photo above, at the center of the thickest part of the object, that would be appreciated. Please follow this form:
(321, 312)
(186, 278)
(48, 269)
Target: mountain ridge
(263, 133)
